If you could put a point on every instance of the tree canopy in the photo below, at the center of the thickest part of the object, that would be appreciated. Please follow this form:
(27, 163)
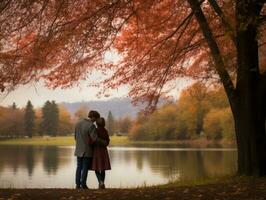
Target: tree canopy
(159, 41)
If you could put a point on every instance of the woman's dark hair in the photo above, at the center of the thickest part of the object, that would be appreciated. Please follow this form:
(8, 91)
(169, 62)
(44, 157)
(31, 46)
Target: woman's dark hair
(100, 122)
(94, 114)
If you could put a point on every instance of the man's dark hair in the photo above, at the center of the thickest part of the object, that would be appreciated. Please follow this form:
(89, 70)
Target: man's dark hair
(94, 114)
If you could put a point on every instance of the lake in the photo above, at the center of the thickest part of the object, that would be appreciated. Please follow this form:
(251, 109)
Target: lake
(132, 166)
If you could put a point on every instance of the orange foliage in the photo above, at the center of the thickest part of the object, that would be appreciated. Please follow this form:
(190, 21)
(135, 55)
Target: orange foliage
(63, 41)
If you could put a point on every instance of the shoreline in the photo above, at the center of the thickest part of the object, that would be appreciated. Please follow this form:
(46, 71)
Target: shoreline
(115, 141)
(227, 188)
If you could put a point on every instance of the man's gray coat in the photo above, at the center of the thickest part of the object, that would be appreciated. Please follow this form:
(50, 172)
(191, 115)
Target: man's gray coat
(83, 129)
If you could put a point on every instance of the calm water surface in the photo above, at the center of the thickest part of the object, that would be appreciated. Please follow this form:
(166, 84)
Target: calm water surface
(54, 167)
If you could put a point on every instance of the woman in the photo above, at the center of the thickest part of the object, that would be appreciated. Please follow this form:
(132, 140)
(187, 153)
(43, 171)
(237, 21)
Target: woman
(100, 159)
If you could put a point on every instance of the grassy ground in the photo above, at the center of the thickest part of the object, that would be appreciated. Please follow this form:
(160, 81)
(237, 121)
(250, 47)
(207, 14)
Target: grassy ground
(115, 140)
(60, 141)
(224, 189)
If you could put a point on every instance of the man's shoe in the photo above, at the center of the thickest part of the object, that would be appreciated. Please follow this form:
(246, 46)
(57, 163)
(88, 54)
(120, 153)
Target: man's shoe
(84, 187)
(77, 186)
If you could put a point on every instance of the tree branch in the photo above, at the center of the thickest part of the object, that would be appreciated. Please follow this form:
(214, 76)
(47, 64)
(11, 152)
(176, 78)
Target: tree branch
(214, 49)
(4, 5)
(224, 20)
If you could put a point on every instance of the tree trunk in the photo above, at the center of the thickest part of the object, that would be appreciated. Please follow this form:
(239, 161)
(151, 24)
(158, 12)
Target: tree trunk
(250, 134)
(249, 105)
(247, 100)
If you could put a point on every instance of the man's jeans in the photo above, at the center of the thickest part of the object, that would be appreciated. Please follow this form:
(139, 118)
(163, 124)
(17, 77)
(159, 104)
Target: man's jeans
(83, 164)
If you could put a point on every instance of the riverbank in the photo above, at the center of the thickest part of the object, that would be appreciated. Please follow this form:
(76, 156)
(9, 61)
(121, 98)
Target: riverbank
(230, 188)
(57, 141)
(115, 141)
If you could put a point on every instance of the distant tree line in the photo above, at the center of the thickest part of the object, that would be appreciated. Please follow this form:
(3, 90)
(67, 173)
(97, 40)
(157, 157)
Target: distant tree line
(199, 112)
(120, 126)
(51, 120)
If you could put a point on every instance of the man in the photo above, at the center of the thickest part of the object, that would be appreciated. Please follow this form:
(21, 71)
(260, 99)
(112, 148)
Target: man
(85, 130)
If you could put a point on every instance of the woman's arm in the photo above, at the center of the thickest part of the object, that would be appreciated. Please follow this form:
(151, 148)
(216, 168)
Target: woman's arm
(95, 138)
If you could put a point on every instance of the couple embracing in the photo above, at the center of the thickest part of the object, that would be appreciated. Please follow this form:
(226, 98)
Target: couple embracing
(91, 149)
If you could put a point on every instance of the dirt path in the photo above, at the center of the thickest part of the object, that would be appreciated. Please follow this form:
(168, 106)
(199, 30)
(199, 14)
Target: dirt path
(254, 189)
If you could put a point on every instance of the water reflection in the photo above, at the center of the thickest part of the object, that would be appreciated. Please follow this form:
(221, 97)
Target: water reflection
(30, 160)
(50, 159)
(188, 165)
(50, 166)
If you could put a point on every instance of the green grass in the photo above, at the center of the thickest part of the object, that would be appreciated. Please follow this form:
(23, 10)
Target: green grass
(69, 141)
(58, 141)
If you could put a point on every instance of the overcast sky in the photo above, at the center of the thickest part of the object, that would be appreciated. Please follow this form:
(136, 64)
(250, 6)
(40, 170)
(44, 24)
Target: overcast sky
(38, 94)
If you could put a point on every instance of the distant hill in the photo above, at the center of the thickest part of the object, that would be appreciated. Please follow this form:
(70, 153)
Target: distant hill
(120, 107)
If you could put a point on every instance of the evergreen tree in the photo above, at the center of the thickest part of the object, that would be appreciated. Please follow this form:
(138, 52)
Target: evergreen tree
(50, 118)
(29, 119)
(54, 118)
(45, 122)
(110, 125)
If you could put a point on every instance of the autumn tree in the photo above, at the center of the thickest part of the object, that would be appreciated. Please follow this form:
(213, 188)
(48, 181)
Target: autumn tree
(65, 124)
(11, 122)
(180, 120)
(161, 125)
(159, 41)
(217, 97)
(247, 97)
(138, 127)
(124, 124)
(193, 105)
(29, 119)
(218, 124)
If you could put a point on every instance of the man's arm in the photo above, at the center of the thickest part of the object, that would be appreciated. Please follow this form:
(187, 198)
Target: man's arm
(95, 138)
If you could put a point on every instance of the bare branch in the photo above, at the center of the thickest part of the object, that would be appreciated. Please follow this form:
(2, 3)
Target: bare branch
(224, 20)
(214, 49)
(4, 5)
